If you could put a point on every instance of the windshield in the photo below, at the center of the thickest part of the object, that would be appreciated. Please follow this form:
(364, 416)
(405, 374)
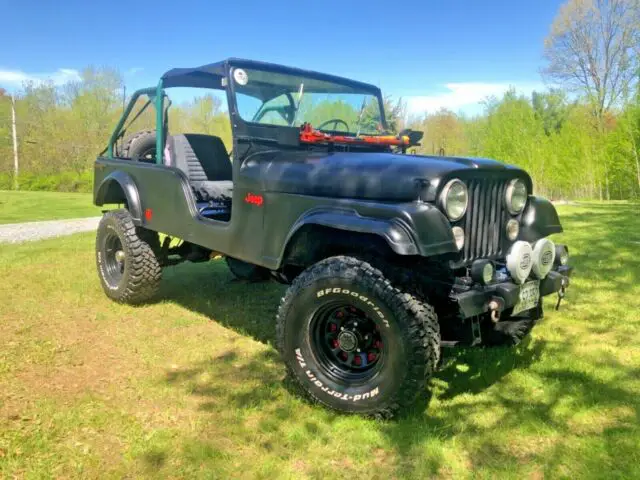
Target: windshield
(286, 99)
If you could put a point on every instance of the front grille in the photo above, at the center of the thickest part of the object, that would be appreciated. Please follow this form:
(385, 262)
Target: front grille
(485, 219)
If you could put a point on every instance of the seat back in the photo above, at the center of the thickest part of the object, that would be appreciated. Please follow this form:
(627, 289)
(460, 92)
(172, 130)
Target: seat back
(201, 157)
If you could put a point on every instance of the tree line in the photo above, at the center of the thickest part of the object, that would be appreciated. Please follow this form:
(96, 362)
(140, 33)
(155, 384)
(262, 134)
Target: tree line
(579, 139)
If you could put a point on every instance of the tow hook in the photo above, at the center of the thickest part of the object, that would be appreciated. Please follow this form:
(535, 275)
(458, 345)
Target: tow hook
(561, 292)
(495, 305)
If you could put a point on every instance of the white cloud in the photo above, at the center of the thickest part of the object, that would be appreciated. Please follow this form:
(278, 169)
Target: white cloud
(17, 77)
(134, 71)
(463, 96)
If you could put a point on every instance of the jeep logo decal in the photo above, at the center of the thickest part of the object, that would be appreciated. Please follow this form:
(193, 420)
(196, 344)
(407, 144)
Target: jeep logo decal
(546, 258)
(254, 199)
(525, 261)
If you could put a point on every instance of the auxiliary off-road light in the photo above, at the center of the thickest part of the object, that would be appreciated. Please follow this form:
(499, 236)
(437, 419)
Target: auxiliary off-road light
(458, 235)
(482, 271)
(562, 255)
(519, 261)
(512, 229)
(544, 254)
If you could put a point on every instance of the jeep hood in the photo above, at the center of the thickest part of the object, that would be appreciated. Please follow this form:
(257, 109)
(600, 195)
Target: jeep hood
(377, 175)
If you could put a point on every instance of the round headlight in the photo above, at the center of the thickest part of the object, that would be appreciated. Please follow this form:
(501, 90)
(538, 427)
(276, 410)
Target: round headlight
(516, 196)
(458, 235)
(455, 199)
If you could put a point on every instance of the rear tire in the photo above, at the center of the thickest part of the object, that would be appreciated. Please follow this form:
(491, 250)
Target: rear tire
(247, 271)
(342, 300)
(129, 270)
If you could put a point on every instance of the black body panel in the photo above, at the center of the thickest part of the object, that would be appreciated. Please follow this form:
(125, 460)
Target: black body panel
(540, 219)
(259, 234)
(392, 196)
(110, 190)
(381, 176)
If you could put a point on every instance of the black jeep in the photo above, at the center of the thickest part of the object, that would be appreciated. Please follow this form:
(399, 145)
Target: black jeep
(389, 256)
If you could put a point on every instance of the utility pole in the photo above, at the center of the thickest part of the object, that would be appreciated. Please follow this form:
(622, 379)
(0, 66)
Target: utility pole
(15, 143)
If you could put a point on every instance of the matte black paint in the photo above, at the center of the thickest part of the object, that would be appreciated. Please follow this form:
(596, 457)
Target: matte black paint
(539, 220)
(389, 195)
(113, 187)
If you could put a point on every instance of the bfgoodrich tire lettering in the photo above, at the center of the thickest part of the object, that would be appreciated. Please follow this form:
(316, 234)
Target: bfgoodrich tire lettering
(408, 328)
(137, 277)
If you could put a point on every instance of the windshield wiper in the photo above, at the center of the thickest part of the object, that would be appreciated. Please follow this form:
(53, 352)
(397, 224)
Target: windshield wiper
(300, 94)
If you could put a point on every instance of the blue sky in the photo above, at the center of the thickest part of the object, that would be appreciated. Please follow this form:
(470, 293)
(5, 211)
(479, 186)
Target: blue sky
(432, 53)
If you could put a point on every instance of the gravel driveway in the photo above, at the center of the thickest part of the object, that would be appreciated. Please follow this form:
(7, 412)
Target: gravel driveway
(25, 232)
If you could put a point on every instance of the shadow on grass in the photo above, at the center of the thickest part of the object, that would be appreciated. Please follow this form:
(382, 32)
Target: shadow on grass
(468, 408)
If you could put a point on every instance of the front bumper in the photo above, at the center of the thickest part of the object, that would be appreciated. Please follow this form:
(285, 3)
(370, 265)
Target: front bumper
(475, 301)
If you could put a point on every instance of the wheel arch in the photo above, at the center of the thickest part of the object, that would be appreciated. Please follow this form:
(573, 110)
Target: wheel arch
(323, 233)
(120, 188)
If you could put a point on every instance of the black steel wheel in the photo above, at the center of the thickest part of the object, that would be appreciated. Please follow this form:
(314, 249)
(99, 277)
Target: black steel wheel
(353, 341)
(347, 341)
(128, 268)
(114, 258)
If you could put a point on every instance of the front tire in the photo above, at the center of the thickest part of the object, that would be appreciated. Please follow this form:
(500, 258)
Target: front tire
(128, 268)
(354, 342)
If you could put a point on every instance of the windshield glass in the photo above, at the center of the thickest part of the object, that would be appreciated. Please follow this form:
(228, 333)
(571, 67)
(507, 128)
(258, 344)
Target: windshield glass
(287, 99)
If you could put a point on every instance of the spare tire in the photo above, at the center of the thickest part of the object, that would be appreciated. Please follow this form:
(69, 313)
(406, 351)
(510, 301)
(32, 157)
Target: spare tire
(141, 146)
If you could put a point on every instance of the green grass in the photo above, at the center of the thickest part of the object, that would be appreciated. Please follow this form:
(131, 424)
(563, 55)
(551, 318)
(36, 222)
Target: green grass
(191, 386)
(16, 207)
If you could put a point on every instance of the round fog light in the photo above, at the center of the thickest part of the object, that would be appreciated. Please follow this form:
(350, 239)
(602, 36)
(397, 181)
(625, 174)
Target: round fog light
(513, 229)
(458, 235)
(482, 271)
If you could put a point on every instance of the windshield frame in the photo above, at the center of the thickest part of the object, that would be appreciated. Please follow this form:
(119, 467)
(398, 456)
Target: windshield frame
(248, 128)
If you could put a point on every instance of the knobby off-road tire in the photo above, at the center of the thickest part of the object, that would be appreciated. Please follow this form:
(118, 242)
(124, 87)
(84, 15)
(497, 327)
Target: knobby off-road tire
(247, 271)
(129, 270)
(407, 331)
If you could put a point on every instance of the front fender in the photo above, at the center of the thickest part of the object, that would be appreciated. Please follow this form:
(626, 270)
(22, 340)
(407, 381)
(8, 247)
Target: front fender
(119, 187)
(540, 219)
(393, 231)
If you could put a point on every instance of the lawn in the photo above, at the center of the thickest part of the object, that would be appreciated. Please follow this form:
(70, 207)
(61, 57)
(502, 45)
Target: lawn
(191, 386)
(20, 206)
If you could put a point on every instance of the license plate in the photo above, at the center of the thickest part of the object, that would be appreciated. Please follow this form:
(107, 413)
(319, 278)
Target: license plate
(529, 296)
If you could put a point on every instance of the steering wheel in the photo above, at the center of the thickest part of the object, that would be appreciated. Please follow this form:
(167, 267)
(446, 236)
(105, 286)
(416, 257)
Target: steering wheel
(336, 122)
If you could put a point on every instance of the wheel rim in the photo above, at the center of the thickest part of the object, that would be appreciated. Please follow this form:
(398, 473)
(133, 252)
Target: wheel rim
(347, 342)
(114, 260)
